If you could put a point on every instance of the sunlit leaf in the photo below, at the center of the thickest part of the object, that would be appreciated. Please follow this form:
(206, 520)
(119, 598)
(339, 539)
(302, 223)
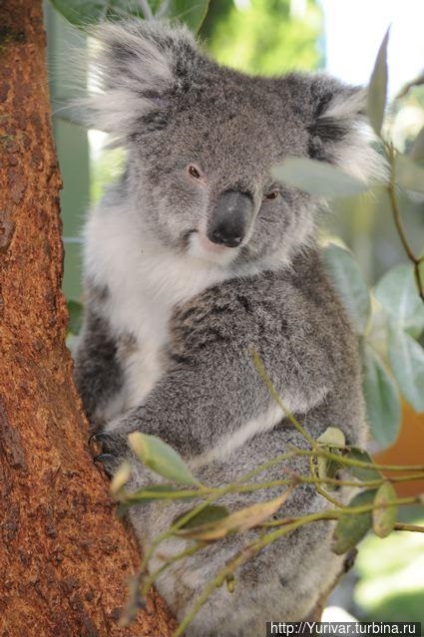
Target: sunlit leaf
(381, 398)
(409, 175)
(120, 478)
(417, 151)
(377, 89)
(317, 178)
(407, 361)
(347, 277)
(352, 528)
(385, 511)
(397, 292)
(161, 458)
(237, 522)
(76, 312)
(363, 473)
(332, 438)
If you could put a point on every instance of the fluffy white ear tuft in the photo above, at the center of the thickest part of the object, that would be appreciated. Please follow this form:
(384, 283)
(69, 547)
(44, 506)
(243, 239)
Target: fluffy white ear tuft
(135, 70)
(339, 132)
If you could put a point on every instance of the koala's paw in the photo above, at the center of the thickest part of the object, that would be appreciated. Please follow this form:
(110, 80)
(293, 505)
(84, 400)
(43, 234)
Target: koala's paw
(114, 450)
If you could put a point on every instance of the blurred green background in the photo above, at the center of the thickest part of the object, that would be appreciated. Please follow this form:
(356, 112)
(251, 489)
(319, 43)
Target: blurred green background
(273, 37)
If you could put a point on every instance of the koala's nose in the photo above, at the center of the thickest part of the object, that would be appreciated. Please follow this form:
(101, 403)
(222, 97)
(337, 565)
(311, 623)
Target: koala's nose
(230, 219)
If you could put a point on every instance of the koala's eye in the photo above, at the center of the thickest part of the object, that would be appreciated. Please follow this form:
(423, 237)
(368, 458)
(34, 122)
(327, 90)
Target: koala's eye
(272, 195)
(193, 171)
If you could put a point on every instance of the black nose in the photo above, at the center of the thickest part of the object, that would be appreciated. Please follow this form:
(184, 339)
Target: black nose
(230, 219)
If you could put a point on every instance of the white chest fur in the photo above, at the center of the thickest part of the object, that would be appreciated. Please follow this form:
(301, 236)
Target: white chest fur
(145, 282)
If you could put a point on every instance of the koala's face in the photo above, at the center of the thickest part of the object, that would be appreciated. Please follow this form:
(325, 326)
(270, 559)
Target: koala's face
(203, 141)
(207, 177)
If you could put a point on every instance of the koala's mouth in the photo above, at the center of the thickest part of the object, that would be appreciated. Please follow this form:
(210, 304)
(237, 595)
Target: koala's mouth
(200, 247)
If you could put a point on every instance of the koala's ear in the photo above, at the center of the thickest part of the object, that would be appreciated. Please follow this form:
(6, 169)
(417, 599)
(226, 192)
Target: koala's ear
(139, 67)
(338, 129)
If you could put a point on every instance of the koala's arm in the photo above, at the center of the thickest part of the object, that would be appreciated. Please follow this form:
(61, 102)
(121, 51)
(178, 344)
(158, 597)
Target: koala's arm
(97, 372)
(212, 390)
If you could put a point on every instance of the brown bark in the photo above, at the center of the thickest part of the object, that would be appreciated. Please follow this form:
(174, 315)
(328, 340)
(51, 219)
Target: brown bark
(64, 555)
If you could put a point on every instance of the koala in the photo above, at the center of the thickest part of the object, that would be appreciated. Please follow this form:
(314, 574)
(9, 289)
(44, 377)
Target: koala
(196, 257)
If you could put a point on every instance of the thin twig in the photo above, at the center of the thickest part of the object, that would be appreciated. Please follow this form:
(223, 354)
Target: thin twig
(401, 526)
(391, 189)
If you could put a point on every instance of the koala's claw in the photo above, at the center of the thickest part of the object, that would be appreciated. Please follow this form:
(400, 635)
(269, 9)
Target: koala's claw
(104, 457)
(108, 462)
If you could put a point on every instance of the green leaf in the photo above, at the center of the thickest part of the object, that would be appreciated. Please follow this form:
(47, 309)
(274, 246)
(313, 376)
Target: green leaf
(209, 515)
(417, 151)
(381, 398)
(350, 528)
(377, 89)
(120, 478)
(397, 292)
(347, 277)
(409, 175)
(363, 473)
(407, 361)
(161, 458)
(237, 522)
(189, 12)
(384, 515)
(76, 312)
(84, 12)
(317, 178)
(332, 438)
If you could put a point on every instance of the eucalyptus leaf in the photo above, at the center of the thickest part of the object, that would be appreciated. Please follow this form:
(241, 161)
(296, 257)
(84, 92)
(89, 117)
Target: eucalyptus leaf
(381, 398)
(189, 12)
(377, 89)
(397, 292)
(76, 312)
(161, 458)
(237, 522)
(409, 174)
(317, 178)
(417, 151)
(333, 438)
(407, 361)
(120, 478)
(209, 515)
(363, 473)
(84, 12)
(347, 277)
(385, 511)
(352, 528)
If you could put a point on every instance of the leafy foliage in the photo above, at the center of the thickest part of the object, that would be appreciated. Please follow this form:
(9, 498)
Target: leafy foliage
(161, 458)
(84, 12)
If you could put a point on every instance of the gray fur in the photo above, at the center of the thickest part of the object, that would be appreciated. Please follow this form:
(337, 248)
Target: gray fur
(167, 350)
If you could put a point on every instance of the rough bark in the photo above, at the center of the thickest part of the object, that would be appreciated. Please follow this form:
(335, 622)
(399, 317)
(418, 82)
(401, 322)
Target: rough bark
(64, 555)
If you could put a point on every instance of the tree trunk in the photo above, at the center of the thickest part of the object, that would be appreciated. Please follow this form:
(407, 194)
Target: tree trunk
(64, 556)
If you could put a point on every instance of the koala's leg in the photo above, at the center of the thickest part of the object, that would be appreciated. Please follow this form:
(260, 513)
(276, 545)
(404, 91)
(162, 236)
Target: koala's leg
(97, 371)
(282, 583)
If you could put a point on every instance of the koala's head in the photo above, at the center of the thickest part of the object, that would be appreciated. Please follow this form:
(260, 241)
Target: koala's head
(202, 141)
